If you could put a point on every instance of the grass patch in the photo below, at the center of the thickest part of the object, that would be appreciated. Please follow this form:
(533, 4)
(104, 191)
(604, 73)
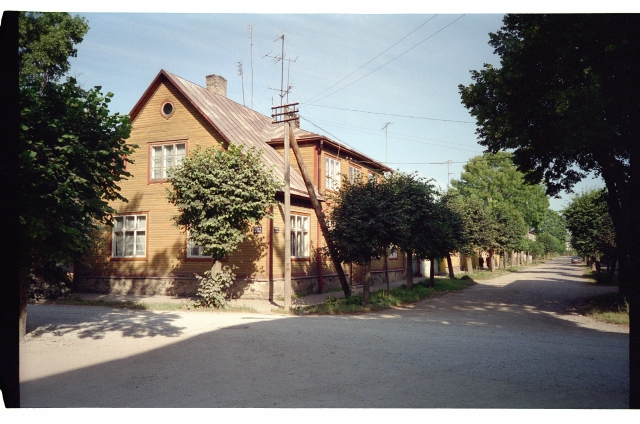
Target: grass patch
(380, 300)
(601, 279)
(485, 274)
(612, 308)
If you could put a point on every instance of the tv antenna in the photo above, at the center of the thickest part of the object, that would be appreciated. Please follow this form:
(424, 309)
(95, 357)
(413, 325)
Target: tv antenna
(282, 58)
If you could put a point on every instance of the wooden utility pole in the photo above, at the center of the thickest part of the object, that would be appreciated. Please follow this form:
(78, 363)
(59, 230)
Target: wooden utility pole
(287, 219)
(320, 215)
(289, 114)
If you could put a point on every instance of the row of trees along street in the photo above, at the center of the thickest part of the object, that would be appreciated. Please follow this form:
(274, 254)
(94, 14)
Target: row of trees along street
(489, 209)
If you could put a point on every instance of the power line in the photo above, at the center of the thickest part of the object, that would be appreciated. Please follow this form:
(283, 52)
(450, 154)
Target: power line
(393, 114)
(366, 131)
(386, 63)
(327, 89)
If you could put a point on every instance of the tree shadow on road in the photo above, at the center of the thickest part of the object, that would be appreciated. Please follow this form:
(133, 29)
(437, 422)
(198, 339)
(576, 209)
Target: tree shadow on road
(95, 322)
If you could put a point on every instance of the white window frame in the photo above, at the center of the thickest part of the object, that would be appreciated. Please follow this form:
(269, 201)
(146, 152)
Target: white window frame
(300, 225)
(191, 246)
(332, 174)
(163, 157)
(132, 228)
(393, 252)
(355, 173)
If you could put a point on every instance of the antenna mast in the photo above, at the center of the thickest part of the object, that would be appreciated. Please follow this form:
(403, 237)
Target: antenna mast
(251, 38)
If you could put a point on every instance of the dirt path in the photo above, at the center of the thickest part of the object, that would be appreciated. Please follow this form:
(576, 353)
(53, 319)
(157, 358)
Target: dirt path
(513, 342)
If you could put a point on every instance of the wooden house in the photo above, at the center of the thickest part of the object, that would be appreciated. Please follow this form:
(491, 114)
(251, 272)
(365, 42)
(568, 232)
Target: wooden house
(145, 253)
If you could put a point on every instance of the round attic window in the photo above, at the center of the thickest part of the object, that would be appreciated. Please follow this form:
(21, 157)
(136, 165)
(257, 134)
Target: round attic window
(167, 109)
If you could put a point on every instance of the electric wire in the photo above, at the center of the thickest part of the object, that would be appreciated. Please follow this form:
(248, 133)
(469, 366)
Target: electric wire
(391, 114)
(327, 89)
(386, 63)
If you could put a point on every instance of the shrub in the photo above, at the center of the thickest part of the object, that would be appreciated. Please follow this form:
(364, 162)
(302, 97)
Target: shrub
(48, 283)
(213, 290)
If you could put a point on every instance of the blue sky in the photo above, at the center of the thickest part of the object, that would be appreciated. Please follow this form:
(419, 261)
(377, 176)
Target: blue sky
(352, 73)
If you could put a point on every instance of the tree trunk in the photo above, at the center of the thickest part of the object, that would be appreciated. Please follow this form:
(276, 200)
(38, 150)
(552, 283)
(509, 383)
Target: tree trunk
(450, 265)
(366, 284)
(490, 260)
(386, 270)
(469, 265)
(432, 270)
(24, 294)
(409, 270)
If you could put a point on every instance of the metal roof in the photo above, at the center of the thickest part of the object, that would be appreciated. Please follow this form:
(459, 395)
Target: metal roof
(237, 124)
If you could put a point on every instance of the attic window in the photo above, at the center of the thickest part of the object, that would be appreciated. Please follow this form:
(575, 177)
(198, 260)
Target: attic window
(167, 110)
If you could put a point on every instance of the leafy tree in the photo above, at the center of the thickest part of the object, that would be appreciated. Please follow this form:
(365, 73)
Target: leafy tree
(590, 224)
(549, 243)
(72, 151)
(413, 208)
(510, 230)
(478, 226)
(554, 224)
(563, 102)
(494, 179)
(219, 195)
(363, 223)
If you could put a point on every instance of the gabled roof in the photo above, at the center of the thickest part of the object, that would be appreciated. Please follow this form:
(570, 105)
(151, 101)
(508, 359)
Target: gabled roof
(237, 124)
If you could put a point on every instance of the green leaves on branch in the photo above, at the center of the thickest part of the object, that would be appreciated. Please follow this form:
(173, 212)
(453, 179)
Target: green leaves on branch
(220, 194)
(590, 224)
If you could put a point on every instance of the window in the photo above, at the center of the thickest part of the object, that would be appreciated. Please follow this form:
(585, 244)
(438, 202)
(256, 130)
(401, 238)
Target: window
(332, 172)
(129, 237)
(354, 174)
(164, 157)
(370, 176)
(299, 236)
(167, 110)
(393, 252)
(194, 251)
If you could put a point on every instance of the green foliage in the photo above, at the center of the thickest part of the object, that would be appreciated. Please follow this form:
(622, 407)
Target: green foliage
(611, 307)
(380, 300)
(510, 227)
(72, 151)
(213, 289)
(590, 224)
(550, 243)
(561, 97)
(363, 220)
(219, 195)
(478, 225)
(553, 223)
(48, 282)
(494, 179)
(46, 41)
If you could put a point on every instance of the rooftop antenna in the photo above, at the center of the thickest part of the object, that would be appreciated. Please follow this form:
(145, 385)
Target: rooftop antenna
(251, 38)
(281, 59)
(386, 144)
(242, 77)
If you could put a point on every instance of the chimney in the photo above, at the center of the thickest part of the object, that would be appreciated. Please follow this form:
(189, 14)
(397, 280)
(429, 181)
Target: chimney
(217, 84)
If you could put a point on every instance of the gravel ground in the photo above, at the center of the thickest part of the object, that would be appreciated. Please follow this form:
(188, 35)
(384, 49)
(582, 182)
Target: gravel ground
(512, 342)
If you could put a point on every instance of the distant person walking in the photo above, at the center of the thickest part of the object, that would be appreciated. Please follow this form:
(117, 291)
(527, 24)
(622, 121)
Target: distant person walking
(481, 262)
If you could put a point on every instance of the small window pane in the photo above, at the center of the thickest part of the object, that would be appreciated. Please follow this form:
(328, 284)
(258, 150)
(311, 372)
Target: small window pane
(130, 222)
(118, 223)
(140, 243)
(128, 243)
(142, 222)
(118, 244)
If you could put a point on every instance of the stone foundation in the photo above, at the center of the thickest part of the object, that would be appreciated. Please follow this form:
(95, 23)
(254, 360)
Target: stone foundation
(242, 288)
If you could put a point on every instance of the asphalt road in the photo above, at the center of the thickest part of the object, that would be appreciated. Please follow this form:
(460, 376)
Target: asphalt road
(513, 342)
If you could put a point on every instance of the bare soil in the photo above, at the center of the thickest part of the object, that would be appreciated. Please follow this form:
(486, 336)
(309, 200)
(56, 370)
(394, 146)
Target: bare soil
(516, 341)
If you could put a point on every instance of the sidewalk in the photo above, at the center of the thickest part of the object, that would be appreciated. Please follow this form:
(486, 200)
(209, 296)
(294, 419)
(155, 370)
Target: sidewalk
(260, 305)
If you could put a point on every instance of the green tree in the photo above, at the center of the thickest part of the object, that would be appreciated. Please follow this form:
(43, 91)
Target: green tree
(363, 222)
(510, 230)
(549, 243)
(590, 224)
(72, 150)
(495, 179)
(414, 215)
(220, 194)
(553, 223)
(563, 102)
